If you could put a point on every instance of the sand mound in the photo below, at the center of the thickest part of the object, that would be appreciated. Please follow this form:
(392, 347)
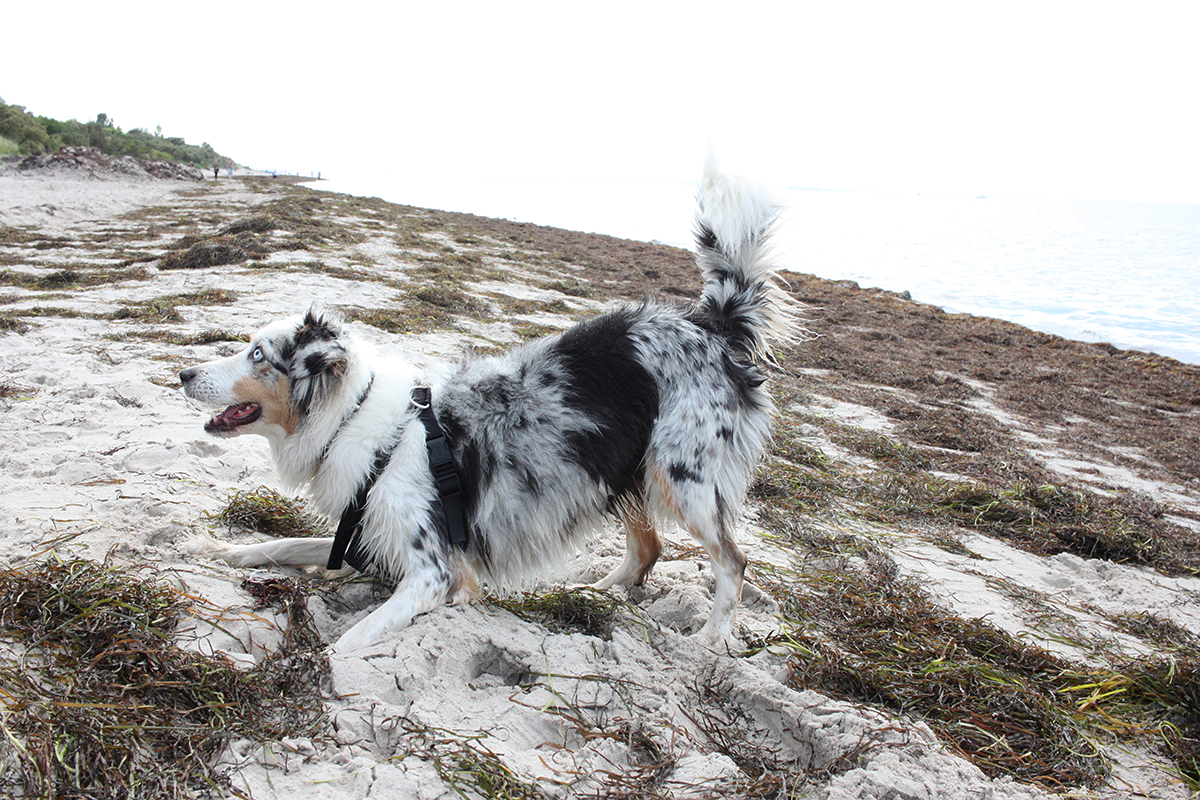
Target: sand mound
(90, 163)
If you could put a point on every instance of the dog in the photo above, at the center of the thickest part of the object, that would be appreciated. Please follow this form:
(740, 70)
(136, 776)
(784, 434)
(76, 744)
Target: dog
(651, 412)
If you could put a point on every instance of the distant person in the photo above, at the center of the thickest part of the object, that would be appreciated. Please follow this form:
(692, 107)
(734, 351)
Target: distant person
(231, 169)
(216, 172)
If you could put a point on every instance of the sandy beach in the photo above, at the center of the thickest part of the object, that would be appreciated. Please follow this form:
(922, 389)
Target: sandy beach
(946, 473)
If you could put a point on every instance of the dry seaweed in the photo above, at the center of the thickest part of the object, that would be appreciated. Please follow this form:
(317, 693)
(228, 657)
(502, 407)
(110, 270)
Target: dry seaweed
(1169, 691)
(864, 634)
(1045, 519)
(1093, 399)
(69, 278)
(163, 309)
(728, 728)
(1155, 696)
(464, 763)
(577, 610)
(216, 251)
(446, 295)
(100, 703)
(13, 323)
(259, 223)
(649, 750)
(308, 218)
(267, 511)
(14, 320)
(176, 338)
(409, 317)
(8, 390)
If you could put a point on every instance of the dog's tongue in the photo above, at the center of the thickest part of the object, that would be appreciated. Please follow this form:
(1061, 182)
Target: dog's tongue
(235, 415)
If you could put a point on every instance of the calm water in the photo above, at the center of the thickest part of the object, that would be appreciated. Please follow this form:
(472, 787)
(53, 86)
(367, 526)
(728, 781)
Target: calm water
(1126, 273)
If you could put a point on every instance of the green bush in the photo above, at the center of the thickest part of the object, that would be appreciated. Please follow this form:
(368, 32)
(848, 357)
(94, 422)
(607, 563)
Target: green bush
(32, 135)
(73, 134)
(18, 126)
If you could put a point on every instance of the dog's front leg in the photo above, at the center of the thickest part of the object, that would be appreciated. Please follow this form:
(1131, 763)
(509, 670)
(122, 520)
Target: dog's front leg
(294, 552)
(416, 594)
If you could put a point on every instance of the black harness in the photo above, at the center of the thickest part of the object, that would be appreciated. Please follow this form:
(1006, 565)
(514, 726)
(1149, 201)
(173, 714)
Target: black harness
(347, 542)
(441, 464)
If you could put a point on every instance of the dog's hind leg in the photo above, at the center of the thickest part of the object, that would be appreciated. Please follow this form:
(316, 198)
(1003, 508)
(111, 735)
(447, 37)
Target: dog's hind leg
(642, 548)
(698, 506)
(729, 569)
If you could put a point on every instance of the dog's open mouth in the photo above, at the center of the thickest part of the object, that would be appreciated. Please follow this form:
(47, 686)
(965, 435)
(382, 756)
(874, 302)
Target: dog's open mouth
(233, 418)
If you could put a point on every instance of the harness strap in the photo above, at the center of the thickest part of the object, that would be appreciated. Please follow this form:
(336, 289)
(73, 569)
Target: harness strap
(347, 542)
(441, 464)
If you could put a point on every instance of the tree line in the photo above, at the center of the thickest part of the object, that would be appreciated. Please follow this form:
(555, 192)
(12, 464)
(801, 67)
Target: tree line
(22, 133)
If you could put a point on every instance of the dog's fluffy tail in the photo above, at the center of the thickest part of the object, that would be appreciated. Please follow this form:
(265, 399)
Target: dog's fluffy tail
(742, 297)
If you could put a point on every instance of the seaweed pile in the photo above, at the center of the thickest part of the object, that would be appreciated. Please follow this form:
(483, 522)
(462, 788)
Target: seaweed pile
(98, 701)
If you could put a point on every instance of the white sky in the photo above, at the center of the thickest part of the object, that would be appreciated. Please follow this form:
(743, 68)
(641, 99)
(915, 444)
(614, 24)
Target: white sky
(1044, 99)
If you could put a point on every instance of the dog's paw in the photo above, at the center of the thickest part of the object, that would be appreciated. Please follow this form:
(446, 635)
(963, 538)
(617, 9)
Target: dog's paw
(715, 635)
(200, 545)
(239, 555)
(212, 548)
(356, 638)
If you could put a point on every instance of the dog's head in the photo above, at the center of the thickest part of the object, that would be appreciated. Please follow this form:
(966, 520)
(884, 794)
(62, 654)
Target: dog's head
(286, 372)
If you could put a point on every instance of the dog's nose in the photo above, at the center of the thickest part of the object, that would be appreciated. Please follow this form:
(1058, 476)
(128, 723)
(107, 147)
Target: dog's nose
(187, 374)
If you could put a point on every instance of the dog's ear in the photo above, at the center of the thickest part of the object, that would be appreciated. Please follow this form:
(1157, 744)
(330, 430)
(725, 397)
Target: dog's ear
(319, 359)
(318, 324)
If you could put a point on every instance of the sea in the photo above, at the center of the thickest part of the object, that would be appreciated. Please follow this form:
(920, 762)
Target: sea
(1126, 273)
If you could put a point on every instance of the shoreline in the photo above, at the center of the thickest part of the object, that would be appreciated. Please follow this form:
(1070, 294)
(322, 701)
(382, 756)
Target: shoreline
(864, 238)
(884, 419)
(279, 178)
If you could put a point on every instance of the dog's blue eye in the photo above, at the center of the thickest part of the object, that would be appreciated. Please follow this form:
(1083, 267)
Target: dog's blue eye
(257, 355)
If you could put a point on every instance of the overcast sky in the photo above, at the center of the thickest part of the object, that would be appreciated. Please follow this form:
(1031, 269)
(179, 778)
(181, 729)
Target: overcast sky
(1038, 99)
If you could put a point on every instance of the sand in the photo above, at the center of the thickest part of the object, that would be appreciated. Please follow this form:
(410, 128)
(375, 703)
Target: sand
(104, 458)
